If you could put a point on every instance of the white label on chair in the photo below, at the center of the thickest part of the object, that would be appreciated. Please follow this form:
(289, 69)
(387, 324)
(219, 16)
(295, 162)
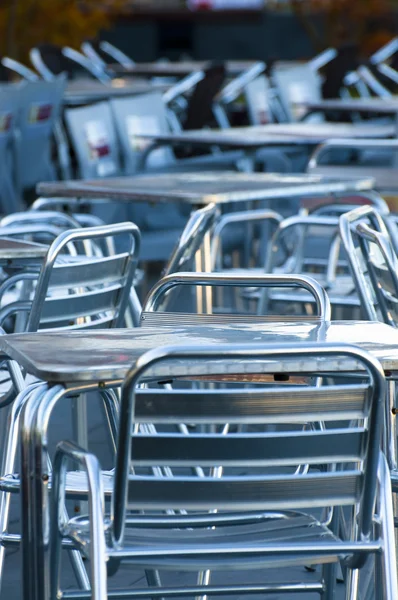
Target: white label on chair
(149, 125)
(99, 147)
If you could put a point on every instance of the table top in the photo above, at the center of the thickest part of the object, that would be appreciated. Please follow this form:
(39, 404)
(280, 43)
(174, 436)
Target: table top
(87, 91)
(387, 106)
(106, 355)
(204, 188)
(278, 134)
(14, 251)
(178, 69)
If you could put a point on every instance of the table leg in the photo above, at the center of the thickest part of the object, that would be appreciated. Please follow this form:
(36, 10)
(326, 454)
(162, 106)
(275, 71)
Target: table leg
(35, 523)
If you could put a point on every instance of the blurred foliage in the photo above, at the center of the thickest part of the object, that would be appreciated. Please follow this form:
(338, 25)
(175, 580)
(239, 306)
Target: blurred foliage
(25, 23)
(367, 23)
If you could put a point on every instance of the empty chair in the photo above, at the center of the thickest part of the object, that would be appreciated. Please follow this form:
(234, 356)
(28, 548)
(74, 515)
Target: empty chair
(91, 291)
(40, 111)
(245, 520)
(50, 60)
(105, 53)
(94, 141)
(373, 262)
(10, 101)
(358, 158)
(295, 86)
(10, 67)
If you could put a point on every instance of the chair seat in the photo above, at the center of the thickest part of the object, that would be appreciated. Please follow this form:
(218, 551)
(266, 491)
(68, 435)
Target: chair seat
(245, 545)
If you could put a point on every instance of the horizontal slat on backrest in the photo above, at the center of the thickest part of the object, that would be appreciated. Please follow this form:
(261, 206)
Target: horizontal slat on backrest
(156, 319)
(262, 449)
(68, 308)
(277, 405)
(245, 493)
(88, 272)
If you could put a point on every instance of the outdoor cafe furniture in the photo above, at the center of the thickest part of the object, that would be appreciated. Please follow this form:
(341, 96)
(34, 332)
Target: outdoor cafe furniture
(266, 517)
(100, 359)
(282, 135)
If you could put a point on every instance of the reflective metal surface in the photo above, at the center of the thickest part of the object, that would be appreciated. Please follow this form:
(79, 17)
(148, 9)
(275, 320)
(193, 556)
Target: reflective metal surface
(14, 251)
(278, 134)
(177, 69)
(204, 188)
(89, 91)
(103, 355)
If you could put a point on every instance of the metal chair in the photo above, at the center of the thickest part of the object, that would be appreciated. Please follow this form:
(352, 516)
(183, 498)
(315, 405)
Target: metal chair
(87, 292)
(377, 157)
(51, 60)
(260, 525)
(14, 66)
(94, 140)
(373, 263)
(294, 86)
(104, 53)
(40, 111)
(10, 102)
(91, 292)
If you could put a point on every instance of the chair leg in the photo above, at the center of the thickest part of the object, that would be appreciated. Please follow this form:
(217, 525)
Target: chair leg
(388, 556)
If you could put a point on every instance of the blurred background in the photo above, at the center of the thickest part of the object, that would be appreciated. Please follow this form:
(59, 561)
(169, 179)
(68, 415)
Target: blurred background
(200, 29)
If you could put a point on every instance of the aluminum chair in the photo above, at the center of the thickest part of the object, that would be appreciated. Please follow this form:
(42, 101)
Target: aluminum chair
(376, 157)
(51, 60)
(104, 53)
(83, 293)
(40, 103)
(373, 263)
(16, 67)
(10, 102)
(94, 141)
(374, 266)
(261, 525)
(294, 86)
(147, 113)
(91, 292)
(385, 52)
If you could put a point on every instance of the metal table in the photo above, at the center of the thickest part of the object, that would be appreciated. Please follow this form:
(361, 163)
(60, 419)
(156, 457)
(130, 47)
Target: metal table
(253, 138)
(84, 91)
(178, 69)
(95, 359)
(381, 106)
(18, 253)
(200, 189)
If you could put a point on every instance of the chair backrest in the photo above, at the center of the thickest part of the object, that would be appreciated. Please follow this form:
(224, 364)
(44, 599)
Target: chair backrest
(257, 95)
(136, 115)
(200, 224)
(373, 157)
(11, 66)
(94, 141)
(41, 103)
(89, 68)
(295, 86)
(373, 263)
(156, 311)
(10, 98)
(50, 60)
(350, 454)
(106, 53)
(81, 292)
